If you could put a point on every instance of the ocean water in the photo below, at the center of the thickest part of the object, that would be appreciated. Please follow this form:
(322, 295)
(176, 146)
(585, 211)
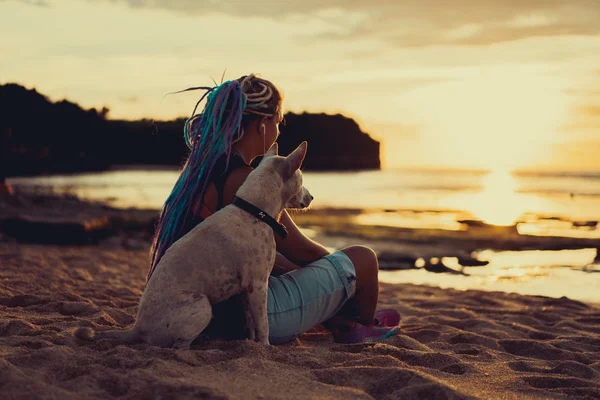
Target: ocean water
(541, 204)
(569, 273)
(434, 198)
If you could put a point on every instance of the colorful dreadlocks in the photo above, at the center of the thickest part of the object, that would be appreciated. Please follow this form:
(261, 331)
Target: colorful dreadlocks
(210, 135)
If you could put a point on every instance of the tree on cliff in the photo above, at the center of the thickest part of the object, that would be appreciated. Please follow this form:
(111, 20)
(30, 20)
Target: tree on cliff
(47, 137)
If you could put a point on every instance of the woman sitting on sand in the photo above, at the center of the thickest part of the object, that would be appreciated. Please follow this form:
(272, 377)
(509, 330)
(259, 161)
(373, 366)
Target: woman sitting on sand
(309, 285)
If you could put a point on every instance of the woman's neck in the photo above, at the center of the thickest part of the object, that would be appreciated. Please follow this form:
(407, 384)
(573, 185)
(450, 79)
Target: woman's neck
(243, 152)
(247, 148)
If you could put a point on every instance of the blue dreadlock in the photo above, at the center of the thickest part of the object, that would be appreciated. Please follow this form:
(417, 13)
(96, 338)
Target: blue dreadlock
(209, 135)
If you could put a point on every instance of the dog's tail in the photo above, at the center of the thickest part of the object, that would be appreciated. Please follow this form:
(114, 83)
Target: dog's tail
(129, 336)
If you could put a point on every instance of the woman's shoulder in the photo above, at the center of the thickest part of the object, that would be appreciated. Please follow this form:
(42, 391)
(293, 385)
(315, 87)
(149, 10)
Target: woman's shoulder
(235, 179)
(222, 177)
(238, 169)
(238, 176)
(222, 169)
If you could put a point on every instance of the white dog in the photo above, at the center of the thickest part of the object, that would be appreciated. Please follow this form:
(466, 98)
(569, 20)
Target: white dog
(230, 252)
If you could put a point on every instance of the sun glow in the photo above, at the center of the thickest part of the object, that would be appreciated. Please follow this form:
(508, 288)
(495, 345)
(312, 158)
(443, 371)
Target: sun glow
(494, 119)
(498, 203)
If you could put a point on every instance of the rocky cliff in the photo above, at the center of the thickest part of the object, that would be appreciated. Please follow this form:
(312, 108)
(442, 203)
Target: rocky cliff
(40, 136)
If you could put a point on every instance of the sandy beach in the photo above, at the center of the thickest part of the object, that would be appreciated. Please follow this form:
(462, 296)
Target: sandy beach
(457, 140)
(469, 344)
(454, 344)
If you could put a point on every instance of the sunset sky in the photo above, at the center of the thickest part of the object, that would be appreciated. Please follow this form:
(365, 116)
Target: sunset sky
(442, 83)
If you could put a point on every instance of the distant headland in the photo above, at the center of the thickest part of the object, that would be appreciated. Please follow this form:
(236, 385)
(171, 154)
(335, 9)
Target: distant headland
(44, 137)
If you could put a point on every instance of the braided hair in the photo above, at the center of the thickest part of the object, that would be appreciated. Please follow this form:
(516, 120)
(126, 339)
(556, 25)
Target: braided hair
(209, 135)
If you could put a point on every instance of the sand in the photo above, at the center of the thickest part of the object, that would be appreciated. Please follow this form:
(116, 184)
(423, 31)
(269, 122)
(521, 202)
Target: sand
(454, 344)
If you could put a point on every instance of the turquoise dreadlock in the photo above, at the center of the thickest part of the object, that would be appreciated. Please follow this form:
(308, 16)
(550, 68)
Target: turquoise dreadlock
(209, 135)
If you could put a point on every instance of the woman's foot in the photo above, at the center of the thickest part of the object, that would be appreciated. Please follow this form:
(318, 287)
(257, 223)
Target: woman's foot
(362, 333)
(387, 317)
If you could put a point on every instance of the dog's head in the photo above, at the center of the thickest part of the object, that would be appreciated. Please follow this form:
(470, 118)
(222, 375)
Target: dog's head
(294, 194)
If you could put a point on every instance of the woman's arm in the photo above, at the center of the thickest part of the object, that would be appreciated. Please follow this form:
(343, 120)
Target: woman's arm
(297, 247)
(282, 265)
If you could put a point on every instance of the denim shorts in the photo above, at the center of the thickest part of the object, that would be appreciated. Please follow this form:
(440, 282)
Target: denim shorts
(301, 299)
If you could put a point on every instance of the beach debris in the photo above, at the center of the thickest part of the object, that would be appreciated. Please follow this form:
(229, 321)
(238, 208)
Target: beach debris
(396, 261)
(8, 197)
(550, 218)
(475, 224)
(435, 264)
(53, 230)
(592, 267)
(471, 262)
(585, 224)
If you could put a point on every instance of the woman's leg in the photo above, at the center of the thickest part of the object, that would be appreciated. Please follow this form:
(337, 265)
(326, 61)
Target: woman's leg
(307, 296)
(361, 307)
(339, 290)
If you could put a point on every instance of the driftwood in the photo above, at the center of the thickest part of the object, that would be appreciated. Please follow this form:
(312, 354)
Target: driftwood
(57, 230)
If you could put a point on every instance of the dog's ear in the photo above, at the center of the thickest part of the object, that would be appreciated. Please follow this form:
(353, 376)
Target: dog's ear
(273, 150)
(294, 160)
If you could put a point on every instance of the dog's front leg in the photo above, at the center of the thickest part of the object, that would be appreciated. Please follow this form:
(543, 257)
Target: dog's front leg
(250, 325)
(257, 304)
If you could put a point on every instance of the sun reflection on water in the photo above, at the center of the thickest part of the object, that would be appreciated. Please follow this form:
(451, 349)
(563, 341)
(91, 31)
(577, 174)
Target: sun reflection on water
(498, 203)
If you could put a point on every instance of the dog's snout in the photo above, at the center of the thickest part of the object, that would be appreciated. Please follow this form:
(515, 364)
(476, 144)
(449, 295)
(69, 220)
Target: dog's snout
(302, 199)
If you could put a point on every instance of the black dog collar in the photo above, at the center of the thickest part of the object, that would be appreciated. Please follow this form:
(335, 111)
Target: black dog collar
(261, 215)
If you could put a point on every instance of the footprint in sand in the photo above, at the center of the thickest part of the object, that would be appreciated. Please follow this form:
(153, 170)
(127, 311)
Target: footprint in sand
(387, 382)
(18, 328)
(570, 368)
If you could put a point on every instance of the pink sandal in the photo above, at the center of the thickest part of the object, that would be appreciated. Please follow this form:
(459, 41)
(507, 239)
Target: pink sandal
(386, 326)
(387, 317)
(366, 334)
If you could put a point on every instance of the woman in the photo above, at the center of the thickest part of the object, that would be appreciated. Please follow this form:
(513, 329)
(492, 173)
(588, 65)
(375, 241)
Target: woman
(309, 284)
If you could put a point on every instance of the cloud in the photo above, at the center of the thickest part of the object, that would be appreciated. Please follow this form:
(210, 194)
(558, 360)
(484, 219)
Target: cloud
(580, 154)
(590, 110)
(411, 23)
(37, 3)
(267, 8)
(469, 34)
(474, 25)
(586, 119)
(580, 126)
(532, 12)
(582, 92)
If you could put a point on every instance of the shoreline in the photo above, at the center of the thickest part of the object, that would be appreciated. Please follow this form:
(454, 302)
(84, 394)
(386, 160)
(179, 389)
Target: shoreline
(473, 235)
(530, 265)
